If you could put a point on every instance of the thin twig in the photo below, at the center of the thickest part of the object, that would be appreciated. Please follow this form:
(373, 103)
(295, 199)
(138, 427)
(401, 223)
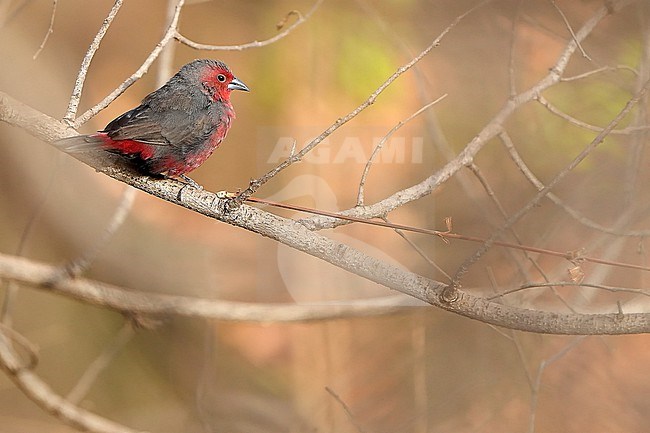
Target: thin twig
(50, 30)
(80, 263)
(514, 233)
(420, 251)
(166, 60)
(6, 16)
(11, 291)
(255, 44)
(380, 145)
(73, 105)
(611, 289)
(624, 131)
(522, 357)
(504, 215)
(635, 160)
(345, 407)
(512, 335)
(598, 71)
(513, 41)
(490, 192)
(100, 363)
(568, 26)
(351, 219)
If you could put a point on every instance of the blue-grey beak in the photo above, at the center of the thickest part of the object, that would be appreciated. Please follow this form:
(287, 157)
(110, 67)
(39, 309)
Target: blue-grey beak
(235, 84)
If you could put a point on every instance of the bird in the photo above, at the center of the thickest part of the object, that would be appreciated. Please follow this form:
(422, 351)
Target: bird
(175, 128)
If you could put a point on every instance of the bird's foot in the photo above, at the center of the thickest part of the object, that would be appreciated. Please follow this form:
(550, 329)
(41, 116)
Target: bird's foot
(188, 182)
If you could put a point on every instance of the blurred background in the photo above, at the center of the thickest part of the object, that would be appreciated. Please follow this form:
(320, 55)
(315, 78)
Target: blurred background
(419, 370)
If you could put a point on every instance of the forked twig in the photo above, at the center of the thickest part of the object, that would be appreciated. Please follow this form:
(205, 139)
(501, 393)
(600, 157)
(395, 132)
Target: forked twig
(538, 378)
(380, 145)
(255, 44)
(168, 36)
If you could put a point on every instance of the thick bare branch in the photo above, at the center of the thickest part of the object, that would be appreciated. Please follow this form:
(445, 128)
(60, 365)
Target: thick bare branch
(131, 302)
(37, 274)
(297, 236)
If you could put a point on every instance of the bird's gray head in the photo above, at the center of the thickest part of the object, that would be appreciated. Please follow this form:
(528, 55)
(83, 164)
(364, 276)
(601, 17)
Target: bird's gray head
(214, 76)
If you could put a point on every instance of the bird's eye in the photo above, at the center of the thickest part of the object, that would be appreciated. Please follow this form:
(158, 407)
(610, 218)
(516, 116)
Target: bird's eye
(221, 78)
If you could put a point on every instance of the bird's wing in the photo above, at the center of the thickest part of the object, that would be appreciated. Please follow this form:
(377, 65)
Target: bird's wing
(140, 124)
(163, 122)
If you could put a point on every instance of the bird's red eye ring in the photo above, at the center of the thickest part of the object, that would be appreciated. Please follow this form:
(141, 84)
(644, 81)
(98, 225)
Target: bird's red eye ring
(221, 78)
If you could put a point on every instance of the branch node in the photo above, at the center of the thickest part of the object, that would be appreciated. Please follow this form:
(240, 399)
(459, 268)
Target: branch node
(450, 294)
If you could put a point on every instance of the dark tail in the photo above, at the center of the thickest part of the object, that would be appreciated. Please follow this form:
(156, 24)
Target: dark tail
(81, 143)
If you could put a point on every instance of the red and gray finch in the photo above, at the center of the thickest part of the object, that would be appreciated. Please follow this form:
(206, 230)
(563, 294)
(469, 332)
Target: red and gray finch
(175, 128)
